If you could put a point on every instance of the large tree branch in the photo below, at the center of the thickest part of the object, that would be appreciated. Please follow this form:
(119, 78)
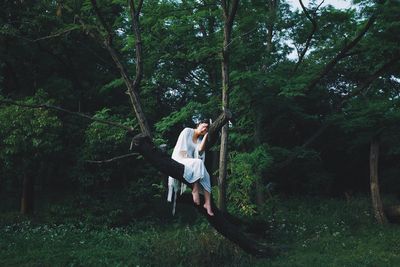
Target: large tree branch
(221, 223)
(170, 167)
(138, 41)
(213, 132)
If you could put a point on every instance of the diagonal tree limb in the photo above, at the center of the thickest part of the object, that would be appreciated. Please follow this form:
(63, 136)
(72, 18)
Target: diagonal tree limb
(112, 159)
(313, 21)
(342, 53)
(220, 223)
(135, 12)
(58, 34)
(213, 132)
(163, 162)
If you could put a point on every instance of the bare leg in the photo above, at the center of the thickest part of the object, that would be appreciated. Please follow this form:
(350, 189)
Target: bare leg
(207, 204)
(195, 193)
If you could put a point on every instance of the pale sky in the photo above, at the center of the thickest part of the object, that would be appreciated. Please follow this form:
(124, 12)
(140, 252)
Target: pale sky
(336, 3)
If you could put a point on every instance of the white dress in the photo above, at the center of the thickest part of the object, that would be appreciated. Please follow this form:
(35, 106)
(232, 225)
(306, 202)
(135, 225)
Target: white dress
(186, 152)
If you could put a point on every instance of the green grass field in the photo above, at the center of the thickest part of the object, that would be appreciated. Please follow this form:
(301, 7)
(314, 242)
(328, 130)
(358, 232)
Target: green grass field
(314, 232)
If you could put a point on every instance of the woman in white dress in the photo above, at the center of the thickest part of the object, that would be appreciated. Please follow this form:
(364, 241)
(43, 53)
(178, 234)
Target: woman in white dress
(189, 151)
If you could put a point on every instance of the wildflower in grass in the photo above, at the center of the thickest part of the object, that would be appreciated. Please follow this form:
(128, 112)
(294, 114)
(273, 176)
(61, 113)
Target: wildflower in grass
(336, 234)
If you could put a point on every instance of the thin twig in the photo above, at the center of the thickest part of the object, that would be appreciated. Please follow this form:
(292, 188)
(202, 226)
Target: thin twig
(319, 5)
(242, 35)
(79, 114)
(112, 159)
(54, 35)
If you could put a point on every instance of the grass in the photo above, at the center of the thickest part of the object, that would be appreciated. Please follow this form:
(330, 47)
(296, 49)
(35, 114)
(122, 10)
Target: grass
(316, 232)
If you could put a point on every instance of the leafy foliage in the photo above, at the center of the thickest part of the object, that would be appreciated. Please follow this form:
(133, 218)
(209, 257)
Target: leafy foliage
(245, 170)
(103, 142)
(30, 137)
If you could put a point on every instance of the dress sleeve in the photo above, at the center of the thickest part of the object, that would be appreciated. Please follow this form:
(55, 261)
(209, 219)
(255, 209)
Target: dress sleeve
(181, 147)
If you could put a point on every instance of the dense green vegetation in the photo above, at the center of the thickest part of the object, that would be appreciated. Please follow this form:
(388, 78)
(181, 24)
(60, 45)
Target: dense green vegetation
(311, 91)
(311, 231)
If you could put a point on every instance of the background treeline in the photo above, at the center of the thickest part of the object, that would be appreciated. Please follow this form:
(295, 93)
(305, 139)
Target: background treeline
(310, 90)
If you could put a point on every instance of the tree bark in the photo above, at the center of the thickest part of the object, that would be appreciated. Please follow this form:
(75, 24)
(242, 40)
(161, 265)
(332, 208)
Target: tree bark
(375, 196)
(27, 198)
(215, 127)
(229, 15)
(221, 223)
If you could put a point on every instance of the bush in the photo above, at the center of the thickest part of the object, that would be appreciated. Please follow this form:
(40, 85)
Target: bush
(245, 170)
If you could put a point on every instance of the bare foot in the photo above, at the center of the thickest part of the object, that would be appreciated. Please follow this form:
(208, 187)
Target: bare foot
(196, 197)
(209, 210)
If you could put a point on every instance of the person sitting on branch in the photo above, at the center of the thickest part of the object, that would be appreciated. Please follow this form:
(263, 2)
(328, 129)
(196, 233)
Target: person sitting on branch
(189, 151)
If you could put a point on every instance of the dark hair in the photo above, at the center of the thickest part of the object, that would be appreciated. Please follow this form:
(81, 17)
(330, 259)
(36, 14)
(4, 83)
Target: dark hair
(203, 120)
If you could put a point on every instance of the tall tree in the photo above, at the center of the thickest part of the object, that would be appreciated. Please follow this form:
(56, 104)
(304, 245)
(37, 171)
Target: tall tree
(143, 142)
(229, 9)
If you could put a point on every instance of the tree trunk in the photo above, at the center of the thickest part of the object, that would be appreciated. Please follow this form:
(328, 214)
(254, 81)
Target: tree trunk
(257, 142)
(27, 200)
(229, 15)
(376, 199)
(224, 136)
(223, 154)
